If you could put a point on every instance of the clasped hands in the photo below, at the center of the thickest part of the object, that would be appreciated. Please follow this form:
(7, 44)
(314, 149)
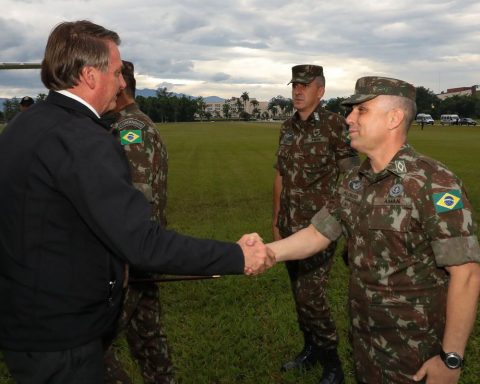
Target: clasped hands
(258, 257)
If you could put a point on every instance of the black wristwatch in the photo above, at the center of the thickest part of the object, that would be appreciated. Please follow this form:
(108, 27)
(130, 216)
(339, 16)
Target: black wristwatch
(452, 359)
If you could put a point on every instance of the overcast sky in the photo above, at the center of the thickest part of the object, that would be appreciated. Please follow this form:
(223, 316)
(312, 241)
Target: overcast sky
(223, 48)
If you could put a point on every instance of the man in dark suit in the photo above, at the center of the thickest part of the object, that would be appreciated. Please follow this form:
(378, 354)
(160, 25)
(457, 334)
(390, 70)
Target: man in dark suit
(70, 219)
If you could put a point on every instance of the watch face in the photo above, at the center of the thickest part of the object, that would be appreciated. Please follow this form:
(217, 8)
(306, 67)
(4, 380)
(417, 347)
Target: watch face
(452, 360)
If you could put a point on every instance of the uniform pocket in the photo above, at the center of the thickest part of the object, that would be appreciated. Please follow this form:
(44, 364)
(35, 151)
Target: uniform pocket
(391, 214)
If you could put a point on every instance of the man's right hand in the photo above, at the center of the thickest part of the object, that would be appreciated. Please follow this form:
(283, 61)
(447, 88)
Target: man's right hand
(258, 257)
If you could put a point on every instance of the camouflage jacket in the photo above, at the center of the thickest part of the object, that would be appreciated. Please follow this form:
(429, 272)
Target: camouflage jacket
(147, 156)
(310, 157)
(402, 225)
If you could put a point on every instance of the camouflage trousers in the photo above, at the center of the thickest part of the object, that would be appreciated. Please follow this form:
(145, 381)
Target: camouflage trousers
(309, 280)
(392, 340)
(140, 323)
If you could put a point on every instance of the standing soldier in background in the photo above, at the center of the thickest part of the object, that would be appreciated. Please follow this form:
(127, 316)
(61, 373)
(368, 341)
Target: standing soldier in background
(312, 153)
(140, 318)
(26, 103)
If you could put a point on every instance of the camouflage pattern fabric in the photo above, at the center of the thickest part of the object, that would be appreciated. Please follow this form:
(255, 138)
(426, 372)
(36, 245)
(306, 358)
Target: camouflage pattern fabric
(401, 225)
(305, 73)
(369, 87)
(140, 318)
(310, 157)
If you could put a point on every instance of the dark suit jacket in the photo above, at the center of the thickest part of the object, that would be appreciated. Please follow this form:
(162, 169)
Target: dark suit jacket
(69, 220)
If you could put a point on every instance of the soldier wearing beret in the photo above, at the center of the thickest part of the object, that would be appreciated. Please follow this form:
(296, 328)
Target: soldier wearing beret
(140, 318)
(313, 151)
(413, 253)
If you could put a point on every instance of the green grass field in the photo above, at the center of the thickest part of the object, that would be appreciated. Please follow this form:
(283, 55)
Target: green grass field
(238, 329)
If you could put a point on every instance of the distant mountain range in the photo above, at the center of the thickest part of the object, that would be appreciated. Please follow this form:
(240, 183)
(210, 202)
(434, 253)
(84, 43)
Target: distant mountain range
(153, 92)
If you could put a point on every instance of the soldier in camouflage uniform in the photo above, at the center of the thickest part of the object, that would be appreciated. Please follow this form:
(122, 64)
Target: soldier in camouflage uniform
(313, 151)
(140, 318)
(414, 255)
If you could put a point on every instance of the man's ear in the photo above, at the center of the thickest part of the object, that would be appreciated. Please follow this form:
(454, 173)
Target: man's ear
(320, 92)
(395, 118)
(88, 75)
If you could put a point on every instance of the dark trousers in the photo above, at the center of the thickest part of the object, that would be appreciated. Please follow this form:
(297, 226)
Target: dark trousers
(80, 365)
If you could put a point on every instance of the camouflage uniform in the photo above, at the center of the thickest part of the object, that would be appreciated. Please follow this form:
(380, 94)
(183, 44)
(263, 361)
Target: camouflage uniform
(140, 318)
(310, 156)
(402, 225)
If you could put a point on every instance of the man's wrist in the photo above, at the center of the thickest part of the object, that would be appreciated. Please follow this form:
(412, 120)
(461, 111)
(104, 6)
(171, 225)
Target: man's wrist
(452, 359)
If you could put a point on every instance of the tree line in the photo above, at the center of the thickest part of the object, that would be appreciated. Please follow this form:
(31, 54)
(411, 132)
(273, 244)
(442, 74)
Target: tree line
(428, 102)
(169, 107)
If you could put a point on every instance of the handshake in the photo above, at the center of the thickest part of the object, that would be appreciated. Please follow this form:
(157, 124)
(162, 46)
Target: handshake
(258, 257)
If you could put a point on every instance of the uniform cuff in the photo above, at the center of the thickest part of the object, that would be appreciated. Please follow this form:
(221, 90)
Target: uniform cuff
(327, 224)
(456, 251)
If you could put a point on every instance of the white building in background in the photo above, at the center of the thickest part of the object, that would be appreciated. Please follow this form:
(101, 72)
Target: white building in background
(236, 105)
(460, 91)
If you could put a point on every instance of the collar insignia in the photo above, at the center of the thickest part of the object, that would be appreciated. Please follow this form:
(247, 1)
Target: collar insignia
(400, 167)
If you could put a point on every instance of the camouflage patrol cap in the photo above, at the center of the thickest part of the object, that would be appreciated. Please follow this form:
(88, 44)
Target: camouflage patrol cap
(369, 87)
(305, 73)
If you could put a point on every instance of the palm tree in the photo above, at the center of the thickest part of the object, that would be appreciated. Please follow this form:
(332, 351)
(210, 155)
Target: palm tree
(245, 98)
(239, 106)
(201, 105)
(254, 103)
(226, 111)
(289, 107)
(273, 109)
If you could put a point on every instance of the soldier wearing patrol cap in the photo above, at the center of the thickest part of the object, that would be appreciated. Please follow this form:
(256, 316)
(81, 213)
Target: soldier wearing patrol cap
(313, 151)
(140, 319)
(414, 255)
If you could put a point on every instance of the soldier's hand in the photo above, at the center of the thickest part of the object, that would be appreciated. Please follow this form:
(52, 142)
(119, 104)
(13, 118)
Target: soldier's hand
(437, 372)
(258, 257)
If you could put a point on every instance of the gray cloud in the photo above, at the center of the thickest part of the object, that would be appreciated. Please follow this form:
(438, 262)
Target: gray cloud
(220, 76)
(252, 42)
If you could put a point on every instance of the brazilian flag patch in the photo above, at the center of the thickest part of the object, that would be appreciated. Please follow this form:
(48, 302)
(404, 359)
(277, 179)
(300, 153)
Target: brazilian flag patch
(131, 136)
(447, 201)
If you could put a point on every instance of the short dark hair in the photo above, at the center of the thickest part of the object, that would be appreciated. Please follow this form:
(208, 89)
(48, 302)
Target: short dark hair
(128, 75)
(70, 47)
(27, 101)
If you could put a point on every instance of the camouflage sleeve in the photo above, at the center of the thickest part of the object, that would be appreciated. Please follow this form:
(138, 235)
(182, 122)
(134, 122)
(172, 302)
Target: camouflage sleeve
(148, 164)
(448, 220)
(159, 180)
(278, 165)
(327, 224)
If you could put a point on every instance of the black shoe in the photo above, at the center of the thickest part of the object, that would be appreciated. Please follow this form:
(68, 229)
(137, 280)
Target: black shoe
(332, 374)
(306, 359)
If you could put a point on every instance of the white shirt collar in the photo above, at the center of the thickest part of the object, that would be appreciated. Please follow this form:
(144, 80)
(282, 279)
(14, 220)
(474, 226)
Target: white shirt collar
(64, 92)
